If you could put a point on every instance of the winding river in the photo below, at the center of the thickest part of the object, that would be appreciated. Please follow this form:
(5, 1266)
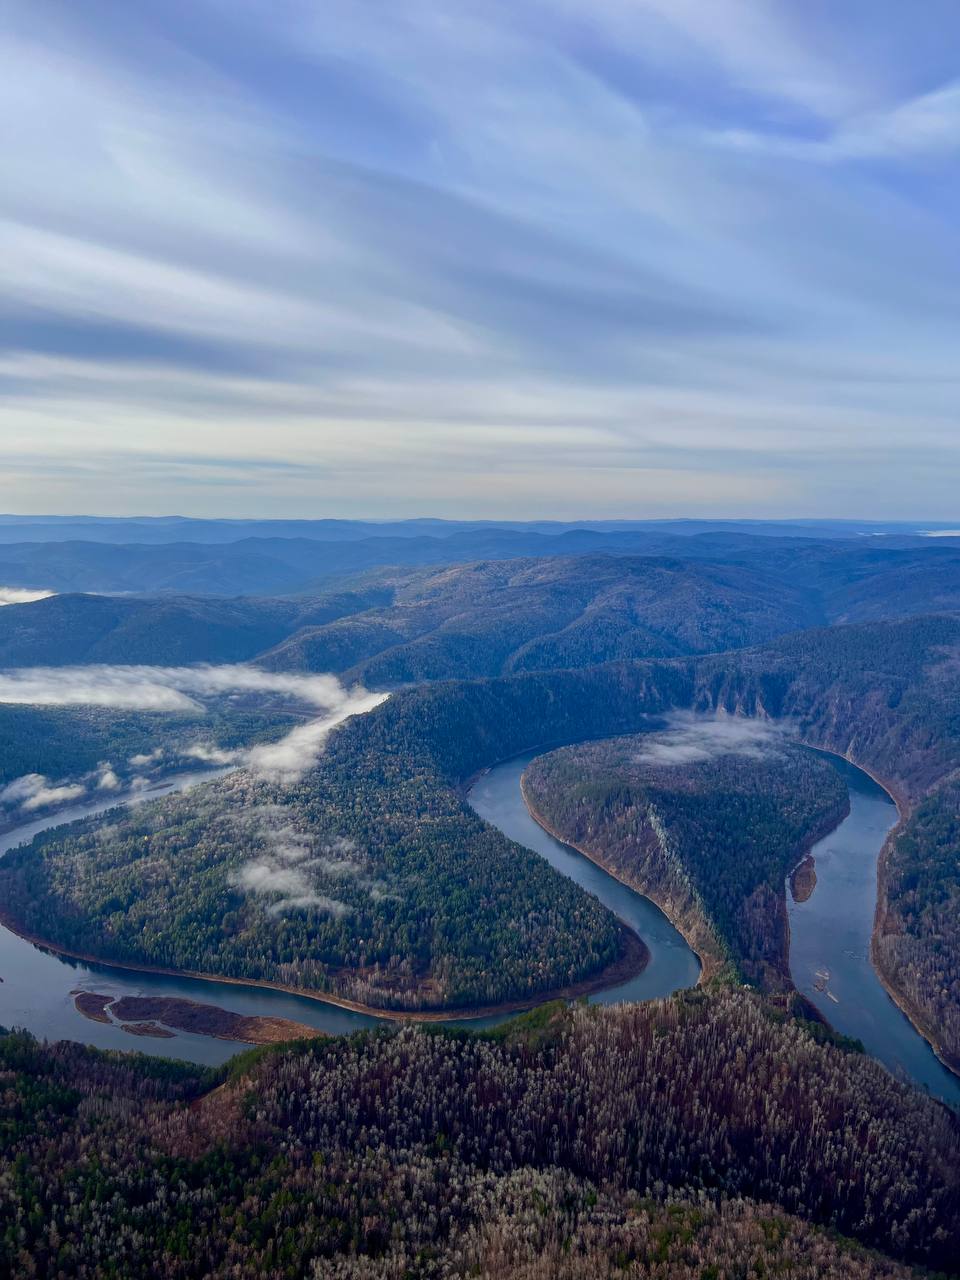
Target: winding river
(829, 932)
(38, 987)
(829, 945)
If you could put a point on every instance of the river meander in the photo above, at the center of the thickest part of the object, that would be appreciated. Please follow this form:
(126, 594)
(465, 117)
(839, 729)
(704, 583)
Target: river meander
(830, 935)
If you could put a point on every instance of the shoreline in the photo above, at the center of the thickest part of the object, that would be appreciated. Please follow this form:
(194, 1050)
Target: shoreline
(706, 970)
(632, 960)
(709, 966)
(904, 807)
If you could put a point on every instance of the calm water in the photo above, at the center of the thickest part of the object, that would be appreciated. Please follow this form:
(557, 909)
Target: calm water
(496, 797)
(830, 937)
(37, 985)
(830, 934)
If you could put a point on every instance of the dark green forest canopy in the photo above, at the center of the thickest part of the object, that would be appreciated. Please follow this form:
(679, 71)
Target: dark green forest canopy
(687, 1131)
(440, 909)
(714, 837)
(918, 942)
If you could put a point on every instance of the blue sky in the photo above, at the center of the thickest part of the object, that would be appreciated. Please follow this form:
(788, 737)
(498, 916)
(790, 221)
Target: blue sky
(632, 257)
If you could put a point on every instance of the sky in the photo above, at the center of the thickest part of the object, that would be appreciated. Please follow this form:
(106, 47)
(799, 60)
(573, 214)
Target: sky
(539, 258)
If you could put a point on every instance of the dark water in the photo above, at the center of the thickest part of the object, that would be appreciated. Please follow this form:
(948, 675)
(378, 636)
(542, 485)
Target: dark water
(830, 936)
(496, 797)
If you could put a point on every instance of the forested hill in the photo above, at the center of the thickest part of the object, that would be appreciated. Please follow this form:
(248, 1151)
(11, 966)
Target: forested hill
(694, 1138)
(428, 907)
(710, 838)
(170, 630)
(391, 626)
(503, 616)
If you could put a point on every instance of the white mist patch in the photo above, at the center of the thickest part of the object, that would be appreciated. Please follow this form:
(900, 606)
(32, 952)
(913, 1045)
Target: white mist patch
(289, 758)
(172, 689)
(290, 861)
(22, 595)
(693, 739)
(146, 688)
(32, 791)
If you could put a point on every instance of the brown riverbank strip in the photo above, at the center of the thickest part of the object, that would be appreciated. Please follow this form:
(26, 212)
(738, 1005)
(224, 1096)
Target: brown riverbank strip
(632, 960)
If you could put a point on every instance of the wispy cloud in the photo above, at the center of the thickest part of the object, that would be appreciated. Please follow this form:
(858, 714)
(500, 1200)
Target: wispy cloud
(189, 689)
(34, 791)
(292, 755)
(152, 688)
(21, 595)
(696, 739)
(293, 865)
(734, 221)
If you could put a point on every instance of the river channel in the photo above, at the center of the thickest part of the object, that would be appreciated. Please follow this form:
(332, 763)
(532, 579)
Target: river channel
(829, 944)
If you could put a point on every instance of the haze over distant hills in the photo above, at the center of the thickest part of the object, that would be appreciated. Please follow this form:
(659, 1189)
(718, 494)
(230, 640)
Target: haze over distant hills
(324, 607)
(165, 529)
(271, 558)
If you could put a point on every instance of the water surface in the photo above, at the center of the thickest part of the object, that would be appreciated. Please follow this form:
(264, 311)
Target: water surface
(497, 798)
(830, 941)
(36, 991)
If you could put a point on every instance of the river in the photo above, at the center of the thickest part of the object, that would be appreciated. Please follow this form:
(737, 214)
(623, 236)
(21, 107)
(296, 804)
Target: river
(830, 934)
(830, 941)
(37, 991)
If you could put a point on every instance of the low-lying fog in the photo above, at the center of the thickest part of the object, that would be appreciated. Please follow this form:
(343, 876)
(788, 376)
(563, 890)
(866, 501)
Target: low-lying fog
(177, 689)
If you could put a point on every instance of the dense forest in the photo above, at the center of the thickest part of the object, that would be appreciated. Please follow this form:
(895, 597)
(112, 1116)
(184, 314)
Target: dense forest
(917, 945)
(367, 880)
(711, 1136)
(163, 630)
(437, 908)
(711, 840)
(698, 1137)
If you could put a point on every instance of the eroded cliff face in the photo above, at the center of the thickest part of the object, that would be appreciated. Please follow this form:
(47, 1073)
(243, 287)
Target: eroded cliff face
(635, 851)
(710, 840)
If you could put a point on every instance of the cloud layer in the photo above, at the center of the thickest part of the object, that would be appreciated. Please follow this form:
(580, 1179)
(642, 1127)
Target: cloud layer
(189, 689)
(693, 739)
(21, 595)
(149, 688)
(482, 258)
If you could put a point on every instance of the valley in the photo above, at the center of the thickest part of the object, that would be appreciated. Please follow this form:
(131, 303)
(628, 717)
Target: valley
(364, 860)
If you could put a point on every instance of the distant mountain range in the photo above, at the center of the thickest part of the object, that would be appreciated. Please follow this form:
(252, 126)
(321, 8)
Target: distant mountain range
(166, 529)
(280, 565)
(401, 624)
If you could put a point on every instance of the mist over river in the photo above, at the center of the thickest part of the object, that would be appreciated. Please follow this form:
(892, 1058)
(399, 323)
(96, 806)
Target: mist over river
(829, 946)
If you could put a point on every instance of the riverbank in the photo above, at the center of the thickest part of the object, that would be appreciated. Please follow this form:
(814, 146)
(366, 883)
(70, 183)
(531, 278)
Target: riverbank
(711, 960)
(633, 959)
(694, 926)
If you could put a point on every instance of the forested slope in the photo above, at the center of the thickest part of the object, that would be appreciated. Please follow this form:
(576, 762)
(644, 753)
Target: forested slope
(455, 892)
(710, 840)
(493, 617)
(688, 1138)
(166, 631)
(917, 945)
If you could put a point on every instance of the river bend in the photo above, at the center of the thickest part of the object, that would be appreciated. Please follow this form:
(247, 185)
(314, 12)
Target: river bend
(829, 944)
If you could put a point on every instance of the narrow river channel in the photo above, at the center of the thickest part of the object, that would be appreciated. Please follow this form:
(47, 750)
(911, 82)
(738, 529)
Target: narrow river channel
(829, 951)
(830, 932)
